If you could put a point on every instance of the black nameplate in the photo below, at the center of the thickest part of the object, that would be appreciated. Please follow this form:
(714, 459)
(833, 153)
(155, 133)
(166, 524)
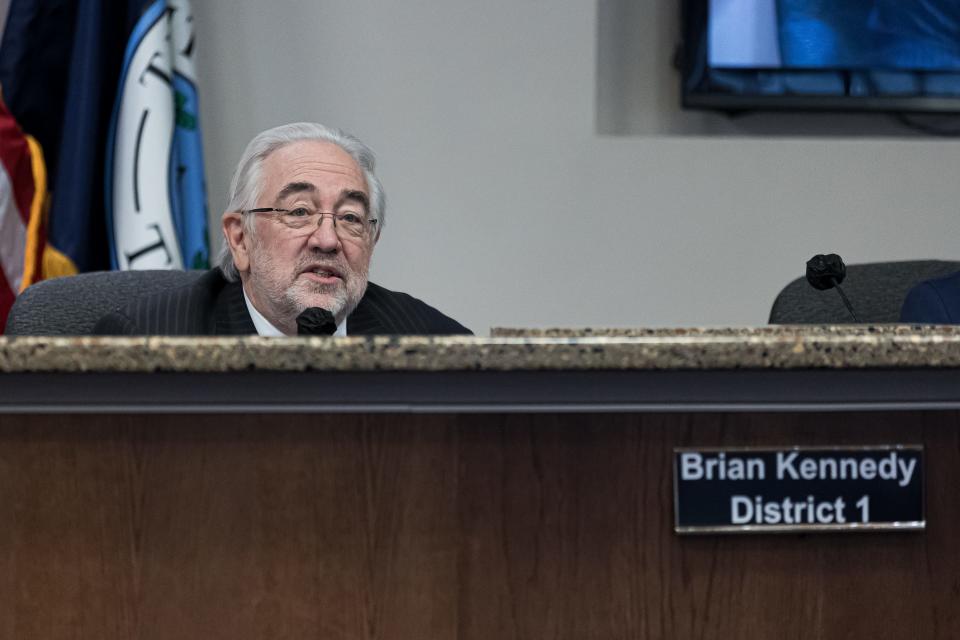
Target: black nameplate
(797, 489)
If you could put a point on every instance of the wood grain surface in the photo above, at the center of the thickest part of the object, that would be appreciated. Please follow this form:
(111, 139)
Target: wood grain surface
(442, 526)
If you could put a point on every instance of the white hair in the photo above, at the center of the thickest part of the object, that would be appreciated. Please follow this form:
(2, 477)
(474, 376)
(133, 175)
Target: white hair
(247, 180)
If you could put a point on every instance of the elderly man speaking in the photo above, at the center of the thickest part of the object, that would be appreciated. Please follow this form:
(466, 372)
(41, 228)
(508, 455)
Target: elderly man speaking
(305, 213)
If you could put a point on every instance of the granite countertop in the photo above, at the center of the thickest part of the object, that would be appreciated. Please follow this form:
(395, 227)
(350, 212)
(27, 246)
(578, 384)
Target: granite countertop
(772, 347)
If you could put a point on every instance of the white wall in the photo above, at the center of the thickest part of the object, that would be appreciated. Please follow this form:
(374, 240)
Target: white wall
(540, 173)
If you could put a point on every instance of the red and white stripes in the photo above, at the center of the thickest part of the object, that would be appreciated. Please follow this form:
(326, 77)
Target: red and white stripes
(19, 201)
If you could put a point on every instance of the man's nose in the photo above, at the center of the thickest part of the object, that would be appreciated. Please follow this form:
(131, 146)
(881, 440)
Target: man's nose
(324, 236)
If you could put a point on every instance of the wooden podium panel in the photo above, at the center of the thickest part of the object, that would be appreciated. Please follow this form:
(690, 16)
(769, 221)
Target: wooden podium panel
(444, 526)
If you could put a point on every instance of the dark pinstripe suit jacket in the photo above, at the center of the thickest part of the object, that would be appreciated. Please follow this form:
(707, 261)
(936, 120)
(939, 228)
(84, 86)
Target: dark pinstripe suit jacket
(213, 306)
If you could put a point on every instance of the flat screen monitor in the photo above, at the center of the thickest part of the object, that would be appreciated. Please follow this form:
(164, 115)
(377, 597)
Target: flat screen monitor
(886, 55)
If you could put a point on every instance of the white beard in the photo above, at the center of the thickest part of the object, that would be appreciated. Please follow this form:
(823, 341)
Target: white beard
(283, 295)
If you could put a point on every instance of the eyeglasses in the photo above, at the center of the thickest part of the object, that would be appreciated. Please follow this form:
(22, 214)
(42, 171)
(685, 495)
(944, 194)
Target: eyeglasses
(303, 221)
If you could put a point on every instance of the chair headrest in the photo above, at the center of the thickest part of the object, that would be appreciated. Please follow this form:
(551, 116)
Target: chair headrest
(72, 305)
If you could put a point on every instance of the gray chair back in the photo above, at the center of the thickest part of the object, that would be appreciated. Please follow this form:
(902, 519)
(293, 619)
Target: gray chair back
(876, 291)
(72, 305)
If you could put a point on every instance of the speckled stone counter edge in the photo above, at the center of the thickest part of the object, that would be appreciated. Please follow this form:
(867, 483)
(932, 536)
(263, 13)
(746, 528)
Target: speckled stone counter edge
(786, 347)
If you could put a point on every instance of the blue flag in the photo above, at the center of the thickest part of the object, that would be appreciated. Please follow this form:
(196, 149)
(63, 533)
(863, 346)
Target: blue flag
(155, 193)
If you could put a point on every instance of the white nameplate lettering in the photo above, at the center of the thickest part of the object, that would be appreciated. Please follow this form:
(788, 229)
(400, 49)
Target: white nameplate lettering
(798, 489)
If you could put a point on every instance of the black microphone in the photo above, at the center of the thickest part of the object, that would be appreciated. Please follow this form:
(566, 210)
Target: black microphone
(316, 322)
(827, 272)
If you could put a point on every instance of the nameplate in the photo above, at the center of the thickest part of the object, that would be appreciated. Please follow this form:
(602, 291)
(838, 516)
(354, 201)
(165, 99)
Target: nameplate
(758, 490)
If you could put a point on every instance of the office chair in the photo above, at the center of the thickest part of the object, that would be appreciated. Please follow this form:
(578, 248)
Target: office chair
(72, 305)
(876, 291)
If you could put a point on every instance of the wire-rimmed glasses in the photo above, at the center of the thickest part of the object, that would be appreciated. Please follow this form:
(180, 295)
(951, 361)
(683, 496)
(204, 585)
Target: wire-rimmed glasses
(304, 220)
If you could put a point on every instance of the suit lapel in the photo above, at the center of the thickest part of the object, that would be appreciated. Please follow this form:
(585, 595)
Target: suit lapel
(365, 321)
(230, 315)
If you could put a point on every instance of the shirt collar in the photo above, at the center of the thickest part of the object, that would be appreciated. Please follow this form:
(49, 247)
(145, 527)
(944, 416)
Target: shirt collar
(266, 328)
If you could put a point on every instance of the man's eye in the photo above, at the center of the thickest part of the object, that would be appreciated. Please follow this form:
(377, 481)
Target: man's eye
(350, 217)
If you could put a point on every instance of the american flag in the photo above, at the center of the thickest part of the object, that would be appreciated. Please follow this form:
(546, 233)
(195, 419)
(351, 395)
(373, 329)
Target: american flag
(22, 204)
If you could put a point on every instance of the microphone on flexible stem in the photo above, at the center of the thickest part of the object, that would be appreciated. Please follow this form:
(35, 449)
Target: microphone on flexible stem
(827, 272)
(316, 322)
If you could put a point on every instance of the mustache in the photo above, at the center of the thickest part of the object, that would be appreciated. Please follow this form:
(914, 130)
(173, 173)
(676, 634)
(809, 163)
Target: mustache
(323, 261)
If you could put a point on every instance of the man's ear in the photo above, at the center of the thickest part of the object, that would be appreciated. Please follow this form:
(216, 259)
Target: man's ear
(237, 239)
